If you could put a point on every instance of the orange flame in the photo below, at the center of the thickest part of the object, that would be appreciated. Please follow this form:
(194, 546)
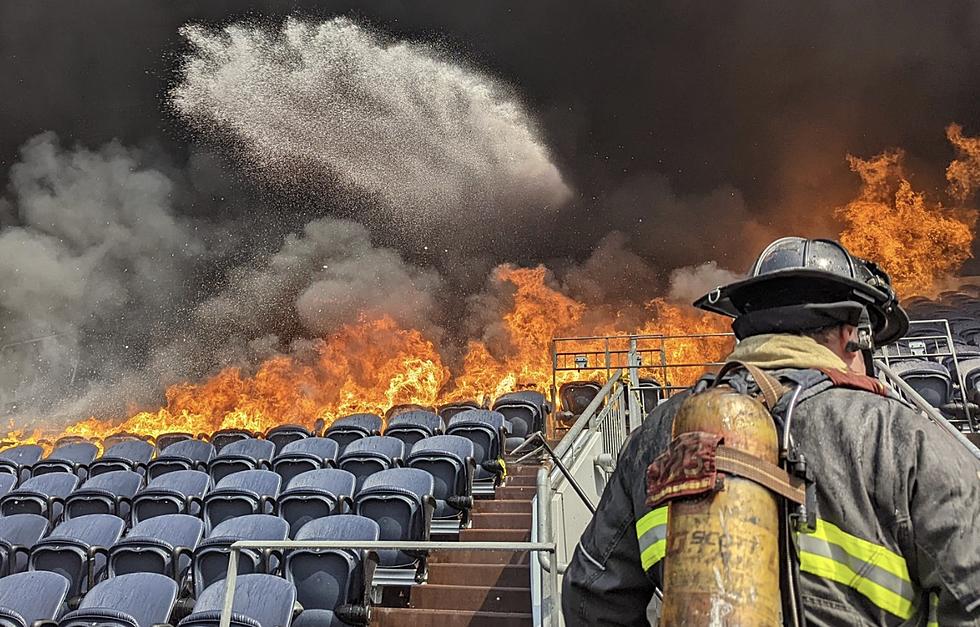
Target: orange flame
(917, 241)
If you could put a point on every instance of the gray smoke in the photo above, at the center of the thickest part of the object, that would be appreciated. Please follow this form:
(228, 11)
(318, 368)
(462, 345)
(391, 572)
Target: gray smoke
(433, 141)
(692, 282)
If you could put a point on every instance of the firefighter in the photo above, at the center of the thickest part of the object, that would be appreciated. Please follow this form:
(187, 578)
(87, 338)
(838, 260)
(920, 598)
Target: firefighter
(897, 500)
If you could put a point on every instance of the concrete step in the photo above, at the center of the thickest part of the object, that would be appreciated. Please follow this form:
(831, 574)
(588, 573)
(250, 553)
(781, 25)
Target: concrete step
(487, 520)
(523, 471)
(468, 556)
(501, 506)
(505, 575)
(522, 480)
(524, 493)
(474, 598)
(400, 617)
(495, 535)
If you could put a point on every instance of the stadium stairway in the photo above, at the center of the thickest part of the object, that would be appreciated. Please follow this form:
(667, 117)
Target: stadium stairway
(478, 588)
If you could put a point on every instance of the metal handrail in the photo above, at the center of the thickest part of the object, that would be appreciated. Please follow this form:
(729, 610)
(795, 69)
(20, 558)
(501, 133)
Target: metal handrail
(231, 578)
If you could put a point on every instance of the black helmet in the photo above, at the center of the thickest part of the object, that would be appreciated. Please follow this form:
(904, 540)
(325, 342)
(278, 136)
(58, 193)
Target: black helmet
(799, 283)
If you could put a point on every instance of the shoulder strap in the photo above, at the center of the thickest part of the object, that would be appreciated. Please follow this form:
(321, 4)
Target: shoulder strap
(772, 390)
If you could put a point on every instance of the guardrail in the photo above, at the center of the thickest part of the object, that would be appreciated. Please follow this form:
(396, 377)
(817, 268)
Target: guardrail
(231, 578)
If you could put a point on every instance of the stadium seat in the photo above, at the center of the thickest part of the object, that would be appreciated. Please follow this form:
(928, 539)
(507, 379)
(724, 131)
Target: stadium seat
(449, 459)
(314, 494)
(224, 437)
(447, 411)
(211, 556)
(487, 430)
(182, 455)
(29, 597)
(180, 492)
(303, 455)
(7, 483)
(524, 410)
(970, 368)
(241, 493)
(333, 584)
(930, 379)
(354, 427)
(651, 393)
(77, 548)
(42, 495)
(126, 455)
(369, 455)
(133, 600)
(260, 601)
(400, 500)
(412, 426)
(19, 460)
(74, 458)
(162, 545)
(164, 440)
(18, 535)
(284, 434)
(575, 396)
(245, 454)
(108, 493)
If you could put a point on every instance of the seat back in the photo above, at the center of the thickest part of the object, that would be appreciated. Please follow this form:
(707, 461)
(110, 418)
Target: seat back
(126, 455)
(246, 492)
(74, 457)
(485, 430)
(153, 545)
(525, 410)
(239, 455)
(33, 596)
(40, 495)
(315, 494)
(19, 530)
(211, 557)
(284, 434)
(182, 455)
(328, 578)
(260, 601)
(446, 458)
(354, 427)
(451, 409)
(107, 493)
(398, 500)
(18, 460)
(931, 380)
(412, 426)
(224, 437)
(303, 455)
(178, 492)
(136, 599)
(575, 396)
(368, 455)
(164, 440)
(69, 549)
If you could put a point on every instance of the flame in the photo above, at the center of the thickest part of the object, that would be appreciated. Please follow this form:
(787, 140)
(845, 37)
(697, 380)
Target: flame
(374, 364)
(919, 242)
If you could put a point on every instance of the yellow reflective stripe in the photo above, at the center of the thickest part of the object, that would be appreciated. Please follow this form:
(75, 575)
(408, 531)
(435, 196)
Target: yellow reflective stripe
(650, 520)
(933, 610)
(862, 549)
(651, 533)
(879, 595)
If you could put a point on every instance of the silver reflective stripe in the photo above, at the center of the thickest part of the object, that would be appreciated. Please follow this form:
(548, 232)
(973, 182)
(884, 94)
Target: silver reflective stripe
(868, 571)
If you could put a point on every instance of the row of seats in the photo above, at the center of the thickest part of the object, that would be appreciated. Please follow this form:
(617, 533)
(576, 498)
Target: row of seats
(142, 589)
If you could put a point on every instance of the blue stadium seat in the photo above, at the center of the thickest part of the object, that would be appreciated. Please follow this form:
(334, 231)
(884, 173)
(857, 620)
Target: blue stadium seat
(303, 455)
(449, 459)
(76, 547)
(245, 454)
(354, 427)
(29, 597)
(7, 483)
(127, 455)
(315, 494)
(74, 458)
(224, 437)
(182, 455)
(19, 460)
(178, 492)
(400, 500)
(930, 379)
(42, 495)
(163, 545)
(524, 410)
(260, 601)
(487, 430)
(447, 411)
(164, 440)
(133, 600)
(18, 535)
(369, 455)
(108, 493)
(284, 434)
(211, 556)
(246, 492)
(412, 426)
(333, 584)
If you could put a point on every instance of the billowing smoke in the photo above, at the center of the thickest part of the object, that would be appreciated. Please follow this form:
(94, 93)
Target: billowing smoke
(433, 141)
(692, 282)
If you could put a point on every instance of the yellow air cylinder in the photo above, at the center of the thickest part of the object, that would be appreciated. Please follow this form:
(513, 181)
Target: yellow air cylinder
(721, 567)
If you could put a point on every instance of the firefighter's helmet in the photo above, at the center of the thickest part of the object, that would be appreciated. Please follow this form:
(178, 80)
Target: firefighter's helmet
(799, 284)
